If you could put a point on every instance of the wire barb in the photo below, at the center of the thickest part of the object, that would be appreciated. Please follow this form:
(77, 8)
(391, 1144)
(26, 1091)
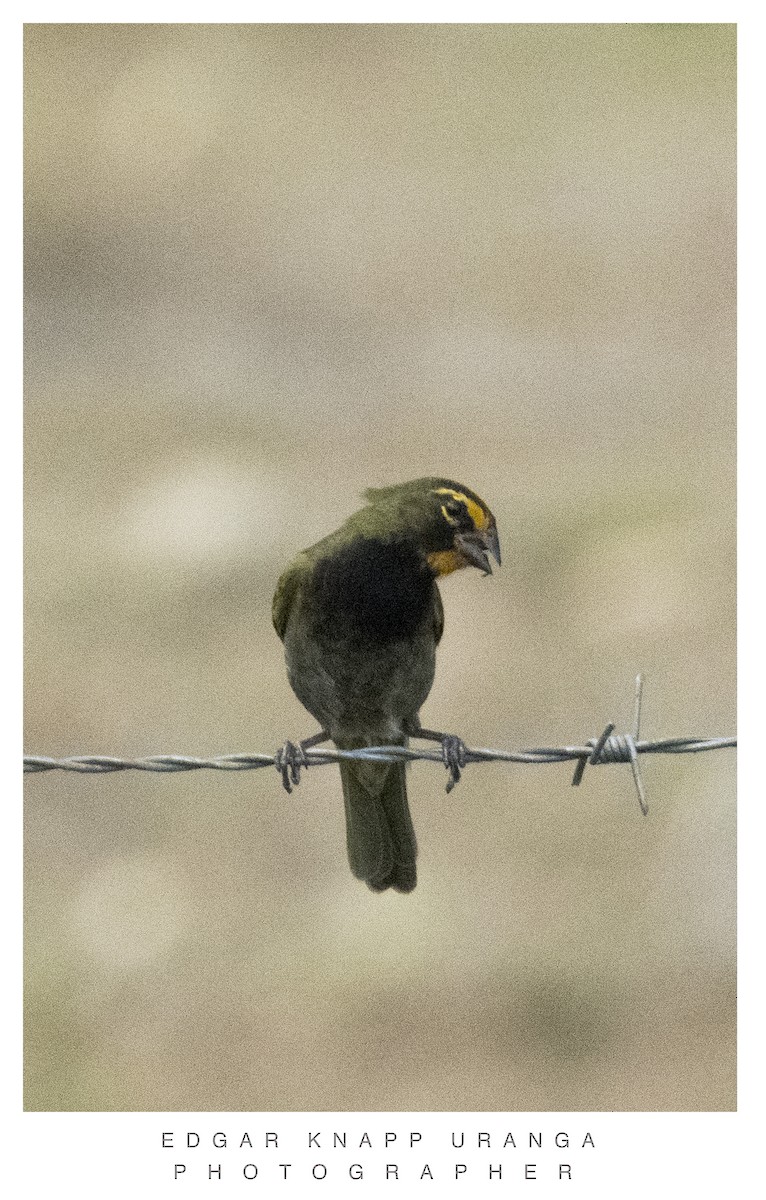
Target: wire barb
(622, 748)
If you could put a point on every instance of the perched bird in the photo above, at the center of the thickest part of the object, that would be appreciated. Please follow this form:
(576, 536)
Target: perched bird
(360, 616)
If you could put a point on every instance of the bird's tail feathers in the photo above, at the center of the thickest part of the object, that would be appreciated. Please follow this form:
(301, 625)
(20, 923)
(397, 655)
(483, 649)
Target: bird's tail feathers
(379, 832)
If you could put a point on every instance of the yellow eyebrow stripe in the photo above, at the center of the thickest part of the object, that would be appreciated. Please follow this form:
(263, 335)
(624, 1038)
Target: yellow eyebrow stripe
(475, 511)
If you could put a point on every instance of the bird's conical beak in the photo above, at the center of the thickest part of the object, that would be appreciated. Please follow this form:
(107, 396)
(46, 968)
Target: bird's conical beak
(493, 541)
(474, 546)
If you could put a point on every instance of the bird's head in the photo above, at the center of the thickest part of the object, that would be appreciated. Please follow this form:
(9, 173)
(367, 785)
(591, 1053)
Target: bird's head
(453, 526)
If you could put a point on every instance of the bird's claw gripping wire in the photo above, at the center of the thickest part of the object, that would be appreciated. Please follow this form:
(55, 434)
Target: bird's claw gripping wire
(453, 757)
(454, 750)
(288, 760)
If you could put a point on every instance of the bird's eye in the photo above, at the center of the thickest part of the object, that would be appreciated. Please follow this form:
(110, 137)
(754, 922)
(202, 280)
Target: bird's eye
(454, 508)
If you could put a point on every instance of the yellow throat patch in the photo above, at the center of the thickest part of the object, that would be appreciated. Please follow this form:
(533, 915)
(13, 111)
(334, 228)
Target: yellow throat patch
(444, 562)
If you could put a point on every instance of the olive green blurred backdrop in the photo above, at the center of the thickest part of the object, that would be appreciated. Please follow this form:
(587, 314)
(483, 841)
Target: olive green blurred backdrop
(268, 266)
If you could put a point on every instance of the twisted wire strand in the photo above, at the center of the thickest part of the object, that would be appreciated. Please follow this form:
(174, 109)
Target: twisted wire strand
(605, 750)
(614, 750)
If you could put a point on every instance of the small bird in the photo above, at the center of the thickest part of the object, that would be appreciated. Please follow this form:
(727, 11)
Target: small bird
(360, 616)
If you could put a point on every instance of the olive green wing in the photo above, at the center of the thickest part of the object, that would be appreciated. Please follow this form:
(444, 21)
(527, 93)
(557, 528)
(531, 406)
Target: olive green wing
(286, 593)
(437, 613)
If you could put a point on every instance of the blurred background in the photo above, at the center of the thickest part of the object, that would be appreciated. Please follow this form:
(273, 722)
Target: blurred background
(269, 266)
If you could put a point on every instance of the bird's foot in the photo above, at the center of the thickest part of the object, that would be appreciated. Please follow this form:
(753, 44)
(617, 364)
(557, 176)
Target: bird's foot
(454, 752)
(453, 757)
(291, 757)
(288, 760)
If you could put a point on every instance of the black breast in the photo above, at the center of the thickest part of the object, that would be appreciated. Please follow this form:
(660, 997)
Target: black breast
(373, 588)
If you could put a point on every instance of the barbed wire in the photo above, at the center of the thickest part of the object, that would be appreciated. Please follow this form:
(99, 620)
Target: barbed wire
(608, 749)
